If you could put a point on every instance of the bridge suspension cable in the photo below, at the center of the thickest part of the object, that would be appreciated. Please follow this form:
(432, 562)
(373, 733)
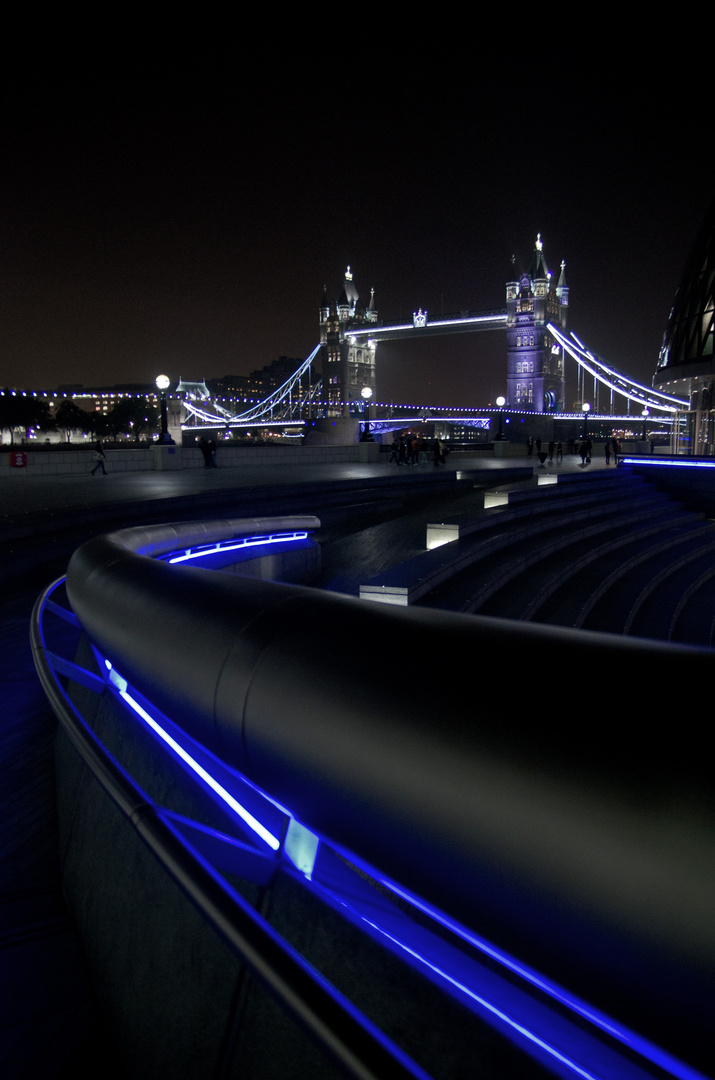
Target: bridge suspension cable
(281, 399)
(612, 378)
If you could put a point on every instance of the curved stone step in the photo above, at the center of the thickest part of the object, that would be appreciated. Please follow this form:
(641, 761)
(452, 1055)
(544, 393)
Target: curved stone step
(694, 620)
(495, 534)
(627, 589)
(657, 610)
(558, 594)
(517, 551)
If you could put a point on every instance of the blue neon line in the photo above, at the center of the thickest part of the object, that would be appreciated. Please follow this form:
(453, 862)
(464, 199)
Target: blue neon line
(679, 1070)
(209, 780)
(648, 1050)
(667, 464)
(233, 545)
(490, 950)
(504, 1017)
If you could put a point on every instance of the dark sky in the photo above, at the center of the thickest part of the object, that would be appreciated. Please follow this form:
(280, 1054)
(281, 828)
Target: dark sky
(184, 219)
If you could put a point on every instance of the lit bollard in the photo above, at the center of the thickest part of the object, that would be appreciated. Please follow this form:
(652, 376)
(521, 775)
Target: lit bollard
(495, 498)
(386, 594)
(438, 534)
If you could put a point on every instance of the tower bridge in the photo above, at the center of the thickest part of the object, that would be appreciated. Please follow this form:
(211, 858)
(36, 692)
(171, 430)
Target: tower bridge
(534, 320)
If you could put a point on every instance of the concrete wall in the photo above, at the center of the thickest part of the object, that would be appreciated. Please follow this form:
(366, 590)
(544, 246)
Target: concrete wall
(693, 486)
(150, 458)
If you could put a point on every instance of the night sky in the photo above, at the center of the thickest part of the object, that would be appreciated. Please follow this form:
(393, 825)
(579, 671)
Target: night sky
(185, 219)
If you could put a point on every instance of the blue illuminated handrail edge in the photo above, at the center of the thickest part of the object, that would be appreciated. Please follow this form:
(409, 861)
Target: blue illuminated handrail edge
(356, 1045)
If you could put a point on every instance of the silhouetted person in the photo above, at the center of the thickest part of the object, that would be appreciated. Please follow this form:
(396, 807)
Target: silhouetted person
(99, 459)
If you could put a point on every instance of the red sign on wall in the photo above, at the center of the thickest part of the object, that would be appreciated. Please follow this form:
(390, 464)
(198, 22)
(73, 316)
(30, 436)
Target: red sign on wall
(18, 459)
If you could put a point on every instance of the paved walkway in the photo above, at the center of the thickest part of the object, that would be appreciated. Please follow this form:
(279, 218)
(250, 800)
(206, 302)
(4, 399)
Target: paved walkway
(22, 493)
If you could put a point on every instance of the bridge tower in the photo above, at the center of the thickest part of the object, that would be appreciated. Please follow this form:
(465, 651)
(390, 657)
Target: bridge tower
(535, 372)
(348, 364)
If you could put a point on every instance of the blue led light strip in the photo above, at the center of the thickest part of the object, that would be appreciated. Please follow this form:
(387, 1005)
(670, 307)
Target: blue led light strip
(573, 1049)
(668, 463)
(648, 1050)
(498, 1013)
(120, 685)
(503, 958)
(234, 545)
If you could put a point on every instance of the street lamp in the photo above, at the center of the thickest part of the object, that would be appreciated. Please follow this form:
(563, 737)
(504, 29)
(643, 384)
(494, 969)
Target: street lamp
(162, 383)
(585, 409)
(645, 414)
(501, 402)
(366, 394)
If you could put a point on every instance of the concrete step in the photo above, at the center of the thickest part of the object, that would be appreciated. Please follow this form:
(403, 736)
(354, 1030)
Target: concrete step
(557, 590)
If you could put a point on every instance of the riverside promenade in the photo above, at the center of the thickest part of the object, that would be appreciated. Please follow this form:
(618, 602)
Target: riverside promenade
(49, 1026)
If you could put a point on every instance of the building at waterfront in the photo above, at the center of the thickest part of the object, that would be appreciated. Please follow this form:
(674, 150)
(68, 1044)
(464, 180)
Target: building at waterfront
(686, 365)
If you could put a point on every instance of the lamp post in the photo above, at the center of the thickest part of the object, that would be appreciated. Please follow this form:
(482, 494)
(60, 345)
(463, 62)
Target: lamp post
(645, 414)
(162, 383)
(585, 409)
(366, 394)
(501, 402)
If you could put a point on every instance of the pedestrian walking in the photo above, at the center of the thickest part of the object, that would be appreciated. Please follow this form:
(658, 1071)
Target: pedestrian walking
(99, 459)
(205, 449)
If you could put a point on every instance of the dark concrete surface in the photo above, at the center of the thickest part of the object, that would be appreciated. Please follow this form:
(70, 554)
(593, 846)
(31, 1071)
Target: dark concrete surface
(49, 1026)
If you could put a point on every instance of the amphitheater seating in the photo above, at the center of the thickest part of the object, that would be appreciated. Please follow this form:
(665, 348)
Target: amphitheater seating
(598, 551)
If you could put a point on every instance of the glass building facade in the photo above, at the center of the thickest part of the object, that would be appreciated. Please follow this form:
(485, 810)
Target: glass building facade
(686, 365)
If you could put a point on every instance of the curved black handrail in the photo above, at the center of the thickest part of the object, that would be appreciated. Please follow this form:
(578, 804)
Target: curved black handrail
(357, 1046)
(578, 844)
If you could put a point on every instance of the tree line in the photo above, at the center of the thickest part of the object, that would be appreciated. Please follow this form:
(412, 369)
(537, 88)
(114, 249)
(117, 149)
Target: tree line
(130, 416)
